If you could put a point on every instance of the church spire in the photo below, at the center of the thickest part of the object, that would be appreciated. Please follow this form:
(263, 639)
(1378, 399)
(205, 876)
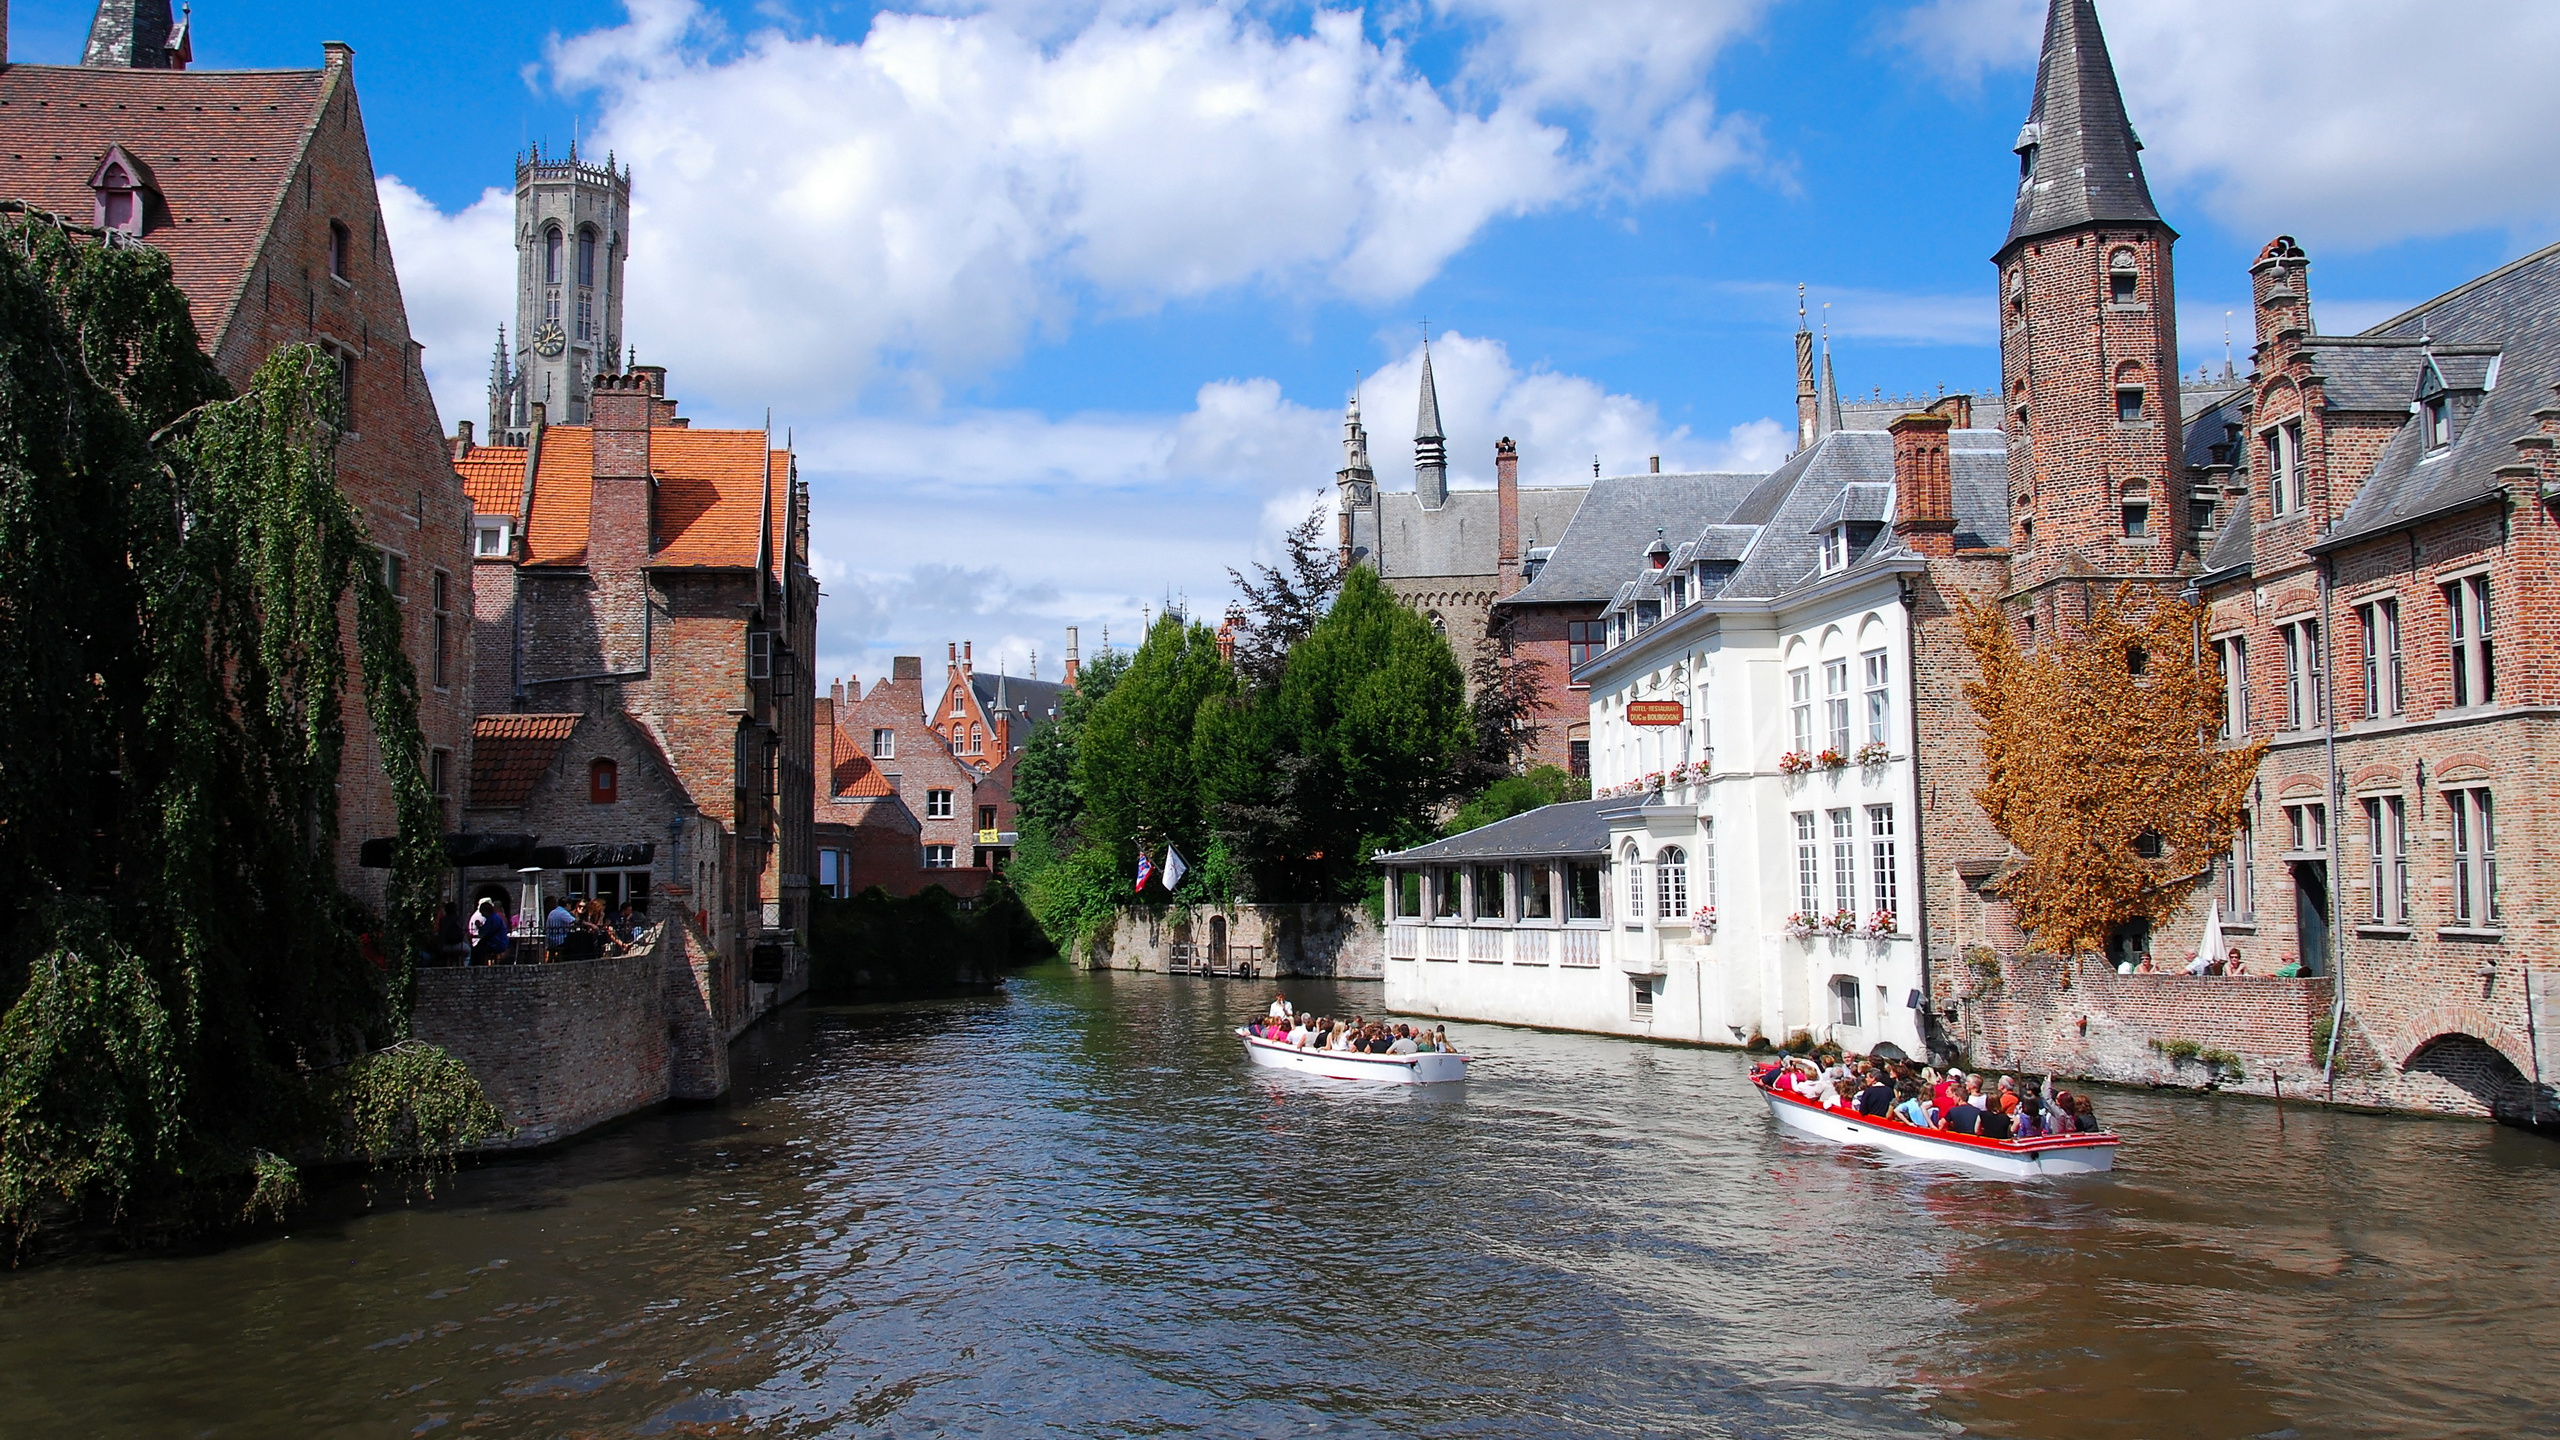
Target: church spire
(1430, 447)
(2079, 161)
(1826, 417)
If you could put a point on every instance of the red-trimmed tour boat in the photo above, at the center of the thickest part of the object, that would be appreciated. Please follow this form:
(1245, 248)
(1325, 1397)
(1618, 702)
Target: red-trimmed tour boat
(2014, 1159)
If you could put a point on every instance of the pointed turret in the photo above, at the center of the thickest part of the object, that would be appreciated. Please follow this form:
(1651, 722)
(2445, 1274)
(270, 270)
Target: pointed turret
(2079, 162)
(1430, 447)
(136, 35)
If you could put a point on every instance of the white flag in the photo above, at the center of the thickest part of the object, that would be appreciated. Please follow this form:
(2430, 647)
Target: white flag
(1174, 869)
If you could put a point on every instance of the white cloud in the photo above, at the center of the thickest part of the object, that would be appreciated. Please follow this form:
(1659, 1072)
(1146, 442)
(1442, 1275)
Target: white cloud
(2361, 123)
(457, 273)
(929, 531)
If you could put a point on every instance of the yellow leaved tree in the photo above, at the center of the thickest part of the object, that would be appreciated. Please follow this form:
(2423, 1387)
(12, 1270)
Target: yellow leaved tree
(2101, 763)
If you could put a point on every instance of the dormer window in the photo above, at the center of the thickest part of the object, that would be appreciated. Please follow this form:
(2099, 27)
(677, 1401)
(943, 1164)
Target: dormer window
(122, 187)
(490, 535)
(1679, 588)
(1835, 549)
(2124, 278)
(2437, 413)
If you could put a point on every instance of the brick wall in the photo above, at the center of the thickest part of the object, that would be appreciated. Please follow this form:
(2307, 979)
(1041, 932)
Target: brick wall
(558, 1048)
(923, 762)
(394, 464)
(1538, 633)
(2080, 1018)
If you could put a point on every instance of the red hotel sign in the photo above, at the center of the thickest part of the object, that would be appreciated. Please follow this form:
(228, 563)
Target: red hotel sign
(1655, 712)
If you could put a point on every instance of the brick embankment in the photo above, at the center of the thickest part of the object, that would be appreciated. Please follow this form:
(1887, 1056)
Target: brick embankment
(2079, 1019)
(566, 1047)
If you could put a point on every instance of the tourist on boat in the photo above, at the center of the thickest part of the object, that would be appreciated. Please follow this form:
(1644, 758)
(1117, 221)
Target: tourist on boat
(1915, 1111)
(1280, 1009)
(1404, 1042)
(1963, 1117)
(1876, 1100)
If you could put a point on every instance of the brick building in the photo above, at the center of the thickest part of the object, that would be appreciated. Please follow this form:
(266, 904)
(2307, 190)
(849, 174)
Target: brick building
(652, 580)
(259, 187)
(899, 733)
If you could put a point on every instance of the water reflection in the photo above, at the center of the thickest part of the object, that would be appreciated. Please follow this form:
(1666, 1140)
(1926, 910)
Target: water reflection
(1073, 1208)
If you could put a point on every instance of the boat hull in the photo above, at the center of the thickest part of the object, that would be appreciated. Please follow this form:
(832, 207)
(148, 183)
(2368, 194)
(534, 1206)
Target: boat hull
(2012, 1159)
(1434, 1068)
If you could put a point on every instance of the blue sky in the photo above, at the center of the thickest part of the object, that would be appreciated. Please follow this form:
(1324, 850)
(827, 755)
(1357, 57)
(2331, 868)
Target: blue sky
(1062, 297)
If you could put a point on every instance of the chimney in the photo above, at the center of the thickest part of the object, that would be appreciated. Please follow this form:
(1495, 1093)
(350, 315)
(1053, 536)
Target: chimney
(1924, 501)
(541, 414)
(968, 658)
(2281, 284)
(1506, 506)
(907, 672)
(461, 428)
(337, 54)
(1958, 408)
(619, 510)
(1075, 664)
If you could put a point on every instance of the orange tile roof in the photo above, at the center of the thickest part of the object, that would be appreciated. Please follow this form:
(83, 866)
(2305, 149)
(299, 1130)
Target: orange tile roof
(493, 476)
(220, 143)
(711, 491)
(511, 753)
(856, 777)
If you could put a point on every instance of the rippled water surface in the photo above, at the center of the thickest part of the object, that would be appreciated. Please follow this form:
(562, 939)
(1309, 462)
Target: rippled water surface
(1071, 1209)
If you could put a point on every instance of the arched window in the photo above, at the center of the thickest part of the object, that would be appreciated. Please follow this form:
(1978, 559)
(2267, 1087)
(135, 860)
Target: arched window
(604, 782)
(2128, 392)
(587, 255)
(2137, 509)
(1633, 860)
(1671, 883)
(2124, 278)
(551, 255)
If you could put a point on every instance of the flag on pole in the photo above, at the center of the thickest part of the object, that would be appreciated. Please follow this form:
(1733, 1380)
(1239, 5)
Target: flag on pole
(1146, 872)
(1174, 869)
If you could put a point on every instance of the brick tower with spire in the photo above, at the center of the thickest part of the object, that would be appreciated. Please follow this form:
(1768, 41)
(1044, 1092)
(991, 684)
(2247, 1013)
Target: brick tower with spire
(2088, 337)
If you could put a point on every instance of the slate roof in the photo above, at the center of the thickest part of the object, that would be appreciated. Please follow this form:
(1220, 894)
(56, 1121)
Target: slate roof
(1571, 828)
(2365, 374)
(511, 753)
(2515, 308)
(711, 490)
(1606, 542)
(220, 143)
(2088, 160)
(1033, 701)
(1460, 537)
(1797, 500)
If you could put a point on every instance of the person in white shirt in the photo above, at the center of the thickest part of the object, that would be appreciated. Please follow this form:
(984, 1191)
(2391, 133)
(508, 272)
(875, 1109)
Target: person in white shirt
(1403, 1043)
(1280, 1009)
(1298, 1035)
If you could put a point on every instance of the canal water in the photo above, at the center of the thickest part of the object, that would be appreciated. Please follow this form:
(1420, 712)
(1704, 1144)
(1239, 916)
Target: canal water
(1069, 1209)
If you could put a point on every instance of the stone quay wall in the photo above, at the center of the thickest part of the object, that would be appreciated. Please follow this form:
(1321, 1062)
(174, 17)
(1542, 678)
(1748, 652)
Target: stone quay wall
(563, 1048)
(1334, 942)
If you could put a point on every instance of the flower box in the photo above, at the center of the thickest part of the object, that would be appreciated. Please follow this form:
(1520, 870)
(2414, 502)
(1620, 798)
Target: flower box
(1831, 759)
(1841, 922)
(1882, 923)
(1800, 926)
(1795, 762)
(1875, 752)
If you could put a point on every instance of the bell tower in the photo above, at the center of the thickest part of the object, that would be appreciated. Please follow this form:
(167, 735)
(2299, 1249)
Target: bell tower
(573, 233)
(2089, 333)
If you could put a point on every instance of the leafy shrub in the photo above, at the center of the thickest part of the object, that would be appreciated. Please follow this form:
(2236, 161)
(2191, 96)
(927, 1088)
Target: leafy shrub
(2224, 1062)
(2179, 1051)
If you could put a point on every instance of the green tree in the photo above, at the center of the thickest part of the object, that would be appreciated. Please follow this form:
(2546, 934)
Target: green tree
(186, 996)
(1135, 764)
(1516, 795)
(1365, 735)
(1048, 797)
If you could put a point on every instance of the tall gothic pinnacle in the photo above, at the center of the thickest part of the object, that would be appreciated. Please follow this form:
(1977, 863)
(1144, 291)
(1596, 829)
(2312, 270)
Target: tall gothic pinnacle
(1827, 410)
(1430, 447)
(2079, 162)
(136, 35)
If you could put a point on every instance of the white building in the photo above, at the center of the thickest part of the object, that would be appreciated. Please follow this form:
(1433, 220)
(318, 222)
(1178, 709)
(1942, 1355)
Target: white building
(1756, 863)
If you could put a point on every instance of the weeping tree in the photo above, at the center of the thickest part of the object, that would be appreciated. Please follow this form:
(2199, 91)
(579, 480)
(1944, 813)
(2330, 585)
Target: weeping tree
(191, 1001)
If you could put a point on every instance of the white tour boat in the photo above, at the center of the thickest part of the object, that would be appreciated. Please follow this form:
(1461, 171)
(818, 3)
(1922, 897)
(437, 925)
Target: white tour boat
(1434, 1067)
(2014, 1159)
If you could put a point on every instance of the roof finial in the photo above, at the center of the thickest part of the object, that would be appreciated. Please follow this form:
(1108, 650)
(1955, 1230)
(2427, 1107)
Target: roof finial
(1800, 325)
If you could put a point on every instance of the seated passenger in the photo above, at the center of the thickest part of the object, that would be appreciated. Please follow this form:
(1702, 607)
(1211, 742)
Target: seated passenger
(1404, 1043)
(2084, 1114)
(1995, 1124)
(1964, 1117)
(1915, 1111)
(1876, 1100)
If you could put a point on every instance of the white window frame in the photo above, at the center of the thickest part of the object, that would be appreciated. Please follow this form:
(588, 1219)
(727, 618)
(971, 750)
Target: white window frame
(2305, 680)
(1671, 883)
(1879, 677)
(2386, 819)
(1885, 862)
(1800, 707)
(2234, 650)
(940, 857)
(1835, 704)
(1808, 865)
(1844, 860)
(2470, 651)
(884, 743)
(937, 805)
(2378, 626)
(492, 537)
(2472, 817)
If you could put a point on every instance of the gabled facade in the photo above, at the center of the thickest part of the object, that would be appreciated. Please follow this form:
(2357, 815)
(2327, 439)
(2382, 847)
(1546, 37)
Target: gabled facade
(894, 731)
(259, 187)
(657, 574)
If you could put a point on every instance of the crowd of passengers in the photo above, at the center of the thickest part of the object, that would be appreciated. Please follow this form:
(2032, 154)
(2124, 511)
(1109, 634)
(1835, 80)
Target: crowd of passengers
(1284, 1025)
(1995, 1108)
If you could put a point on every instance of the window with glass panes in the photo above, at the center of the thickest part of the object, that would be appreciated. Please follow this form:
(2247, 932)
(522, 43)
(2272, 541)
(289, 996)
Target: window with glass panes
(2234, 652)
(2475, 677)
(1883, 862)
(1879, 698)
(1844, 860)
(1835, 703)
(1808, 866)
(2386, 821)
(2305, 687)
(2475, 857)
(1671, 883)
(2378, 627)
(1800, 707)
